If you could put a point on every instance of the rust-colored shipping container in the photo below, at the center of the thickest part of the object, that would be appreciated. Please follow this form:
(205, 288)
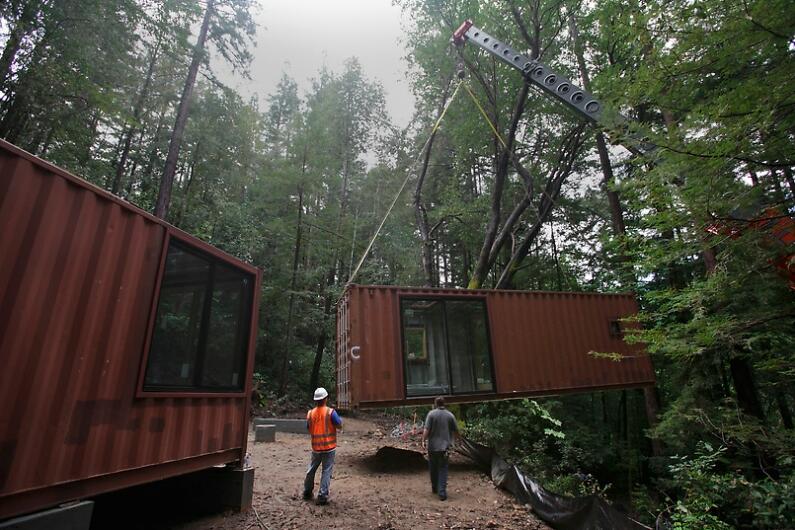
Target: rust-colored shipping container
(404, 346)
(126, 345)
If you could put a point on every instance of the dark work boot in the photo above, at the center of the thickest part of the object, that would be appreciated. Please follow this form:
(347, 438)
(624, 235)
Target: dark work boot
(307, 495)
(322, 501)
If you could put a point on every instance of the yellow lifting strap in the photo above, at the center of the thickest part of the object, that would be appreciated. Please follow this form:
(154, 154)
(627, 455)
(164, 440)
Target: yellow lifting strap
(409, 172)
(486, 117)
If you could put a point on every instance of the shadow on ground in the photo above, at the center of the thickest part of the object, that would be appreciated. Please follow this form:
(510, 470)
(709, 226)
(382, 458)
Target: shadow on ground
(160, 505)
(395, 460)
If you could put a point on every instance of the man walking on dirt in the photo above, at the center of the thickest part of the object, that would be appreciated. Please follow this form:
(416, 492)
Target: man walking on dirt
(440, 427)
(322, 423)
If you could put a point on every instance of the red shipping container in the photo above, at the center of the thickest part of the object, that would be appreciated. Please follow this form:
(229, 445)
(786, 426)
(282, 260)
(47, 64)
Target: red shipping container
(126, 345)
(404, 346)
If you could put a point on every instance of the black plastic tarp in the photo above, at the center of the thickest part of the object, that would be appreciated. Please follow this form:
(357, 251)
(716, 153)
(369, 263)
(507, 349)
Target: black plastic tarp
(559, 512)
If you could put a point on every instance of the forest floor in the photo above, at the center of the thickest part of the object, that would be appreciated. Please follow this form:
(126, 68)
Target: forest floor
(368, 490)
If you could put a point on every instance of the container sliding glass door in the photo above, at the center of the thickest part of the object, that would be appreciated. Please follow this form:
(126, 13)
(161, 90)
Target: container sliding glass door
(445, 346)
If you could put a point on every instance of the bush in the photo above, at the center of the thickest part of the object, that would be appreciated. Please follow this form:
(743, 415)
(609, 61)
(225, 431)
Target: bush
(773, 502)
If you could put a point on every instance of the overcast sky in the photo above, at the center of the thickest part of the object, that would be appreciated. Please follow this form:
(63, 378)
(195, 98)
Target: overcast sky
(300, 36)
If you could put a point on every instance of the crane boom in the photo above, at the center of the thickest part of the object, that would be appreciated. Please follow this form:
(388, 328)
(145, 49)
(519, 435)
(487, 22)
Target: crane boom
(555, 85)
(586, 105)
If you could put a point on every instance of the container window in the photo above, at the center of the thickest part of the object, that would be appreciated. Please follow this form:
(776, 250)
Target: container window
(615, 329)
(201, 326)
(425, 348)
(446, 347)
(470, 361)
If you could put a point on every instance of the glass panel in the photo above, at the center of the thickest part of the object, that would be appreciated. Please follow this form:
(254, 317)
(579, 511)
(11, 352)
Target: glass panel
(228, 330)
(425, 347)
(202, 324)
(175, 341)
(470, 362)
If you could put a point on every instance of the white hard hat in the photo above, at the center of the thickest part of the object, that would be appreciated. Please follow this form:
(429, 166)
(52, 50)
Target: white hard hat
(320, 393)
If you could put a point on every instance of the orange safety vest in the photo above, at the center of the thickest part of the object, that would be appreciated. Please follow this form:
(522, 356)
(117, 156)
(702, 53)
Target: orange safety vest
(322, 429)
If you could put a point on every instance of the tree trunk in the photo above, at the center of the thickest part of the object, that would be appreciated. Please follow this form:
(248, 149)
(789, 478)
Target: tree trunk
(754, 177)
(150, 162)
(336, 265)
(652, 402)
(616, 213)
(314, 380)
(9, 54)
(555, 258)
(16, 111)
(22, 28)
(745, 388)
(710, 261)
(741, 371)
(167, 181)
(47, 142)
(353, 243)
(93, 126)
(293, 282)
(513, 218)
(783, 408)
(129, 132)
(420, 213)
(790, 182)
(188, 184)
(505, 281)
(467, 263)
(563, 167)
(501, 172)
(623, 424)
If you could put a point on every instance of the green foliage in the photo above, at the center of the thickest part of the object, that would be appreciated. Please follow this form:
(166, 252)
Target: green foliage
(712, 493)
(513, 421)
(557, 453)
(703, 490)
(577, 485)
(773, 502)
(259, 394)
(713, 307)
(574, 445)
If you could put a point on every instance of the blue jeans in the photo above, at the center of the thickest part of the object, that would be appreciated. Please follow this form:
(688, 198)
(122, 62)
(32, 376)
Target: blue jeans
(327, 459)
(437, 462)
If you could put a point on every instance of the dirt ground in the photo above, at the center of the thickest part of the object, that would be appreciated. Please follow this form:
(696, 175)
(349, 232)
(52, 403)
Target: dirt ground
(367, 491)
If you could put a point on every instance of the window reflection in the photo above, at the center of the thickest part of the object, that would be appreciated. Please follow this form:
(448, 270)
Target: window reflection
(201, 325)
(445, 347)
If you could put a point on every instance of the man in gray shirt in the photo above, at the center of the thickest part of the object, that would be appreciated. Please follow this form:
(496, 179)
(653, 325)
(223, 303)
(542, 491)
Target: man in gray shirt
(440, 427)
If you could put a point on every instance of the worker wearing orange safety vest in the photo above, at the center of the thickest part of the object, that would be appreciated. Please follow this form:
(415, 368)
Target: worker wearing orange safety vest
(322, 423)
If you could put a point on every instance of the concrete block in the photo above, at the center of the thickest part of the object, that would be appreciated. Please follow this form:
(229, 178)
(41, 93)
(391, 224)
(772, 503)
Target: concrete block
(265, 433)
(283, 425)
(75, 516)
(219, 488)
(235, 487)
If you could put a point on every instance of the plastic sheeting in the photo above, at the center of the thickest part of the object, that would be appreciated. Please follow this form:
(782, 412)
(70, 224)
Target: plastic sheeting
(561, 513)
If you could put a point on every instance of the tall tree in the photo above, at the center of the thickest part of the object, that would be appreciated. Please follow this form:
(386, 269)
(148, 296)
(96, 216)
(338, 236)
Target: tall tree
(167, 180)
(23, 18)
(230, 37)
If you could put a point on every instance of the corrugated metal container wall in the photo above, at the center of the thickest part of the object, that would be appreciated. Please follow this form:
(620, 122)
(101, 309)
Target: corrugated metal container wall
(78, 275)
(377, 375)
(539, 342)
